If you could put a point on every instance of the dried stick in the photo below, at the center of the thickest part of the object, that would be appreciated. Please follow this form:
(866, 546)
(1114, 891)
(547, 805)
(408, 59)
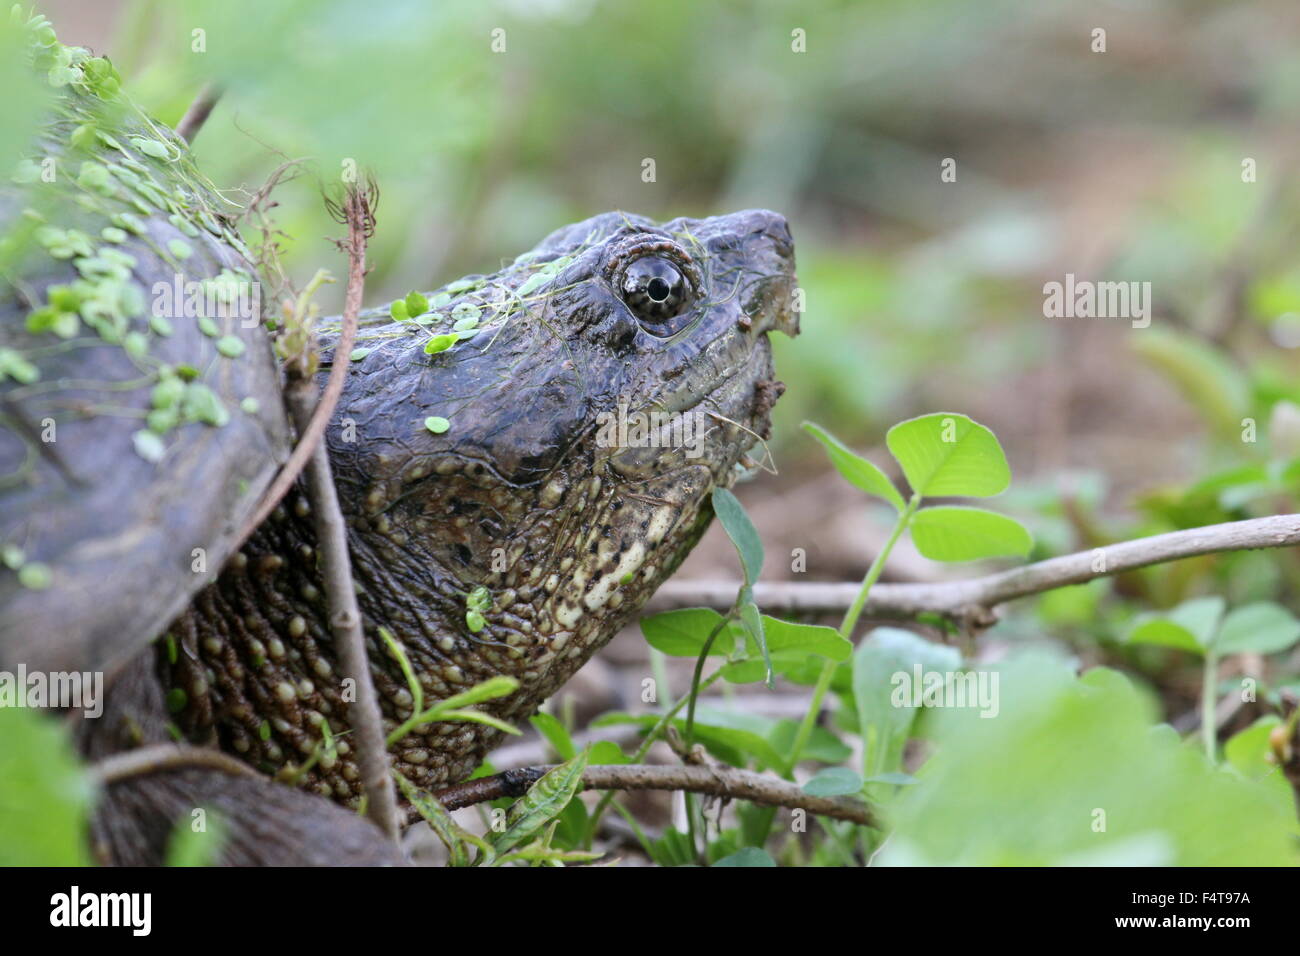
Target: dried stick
(145, 760)
(310, 417)
(717, 781)
(357, 210)
(198, 113)
(971, 602)
(345, 621)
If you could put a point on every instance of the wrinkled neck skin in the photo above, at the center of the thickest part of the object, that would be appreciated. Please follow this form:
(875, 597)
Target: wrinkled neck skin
(260, 669)
(522, 495)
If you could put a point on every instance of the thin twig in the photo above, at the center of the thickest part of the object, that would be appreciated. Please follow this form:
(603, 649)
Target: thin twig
(256, 213)
(357, 207)
(345, 622)
(971, 602)
(719, 781)
(364, 715)
(156, 757)
(198, 113)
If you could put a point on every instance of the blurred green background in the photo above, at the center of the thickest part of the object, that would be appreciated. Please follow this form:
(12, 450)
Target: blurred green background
(489, 124)
(921, 294)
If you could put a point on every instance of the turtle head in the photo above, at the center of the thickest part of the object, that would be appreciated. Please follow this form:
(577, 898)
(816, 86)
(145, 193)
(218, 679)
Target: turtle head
(551, 433)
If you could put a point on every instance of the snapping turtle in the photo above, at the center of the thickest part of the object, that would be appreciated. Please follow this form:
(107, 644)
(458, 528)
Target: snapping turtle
(521, 459)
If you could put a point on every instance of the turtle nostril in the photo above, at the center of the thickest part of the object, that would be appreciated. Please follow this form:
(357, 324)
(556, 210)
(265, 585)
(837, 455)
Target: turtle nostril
(778, 230)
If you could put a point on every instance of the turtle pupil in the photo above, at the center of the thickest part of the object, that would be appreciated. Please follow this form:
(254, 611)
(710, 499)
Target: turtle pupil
(658, 289)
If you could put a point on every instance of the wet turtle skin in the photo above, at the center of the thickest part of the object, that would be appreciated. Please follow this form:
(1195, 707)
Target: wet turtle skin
(523, 501)
(519, 499)
(497, 524)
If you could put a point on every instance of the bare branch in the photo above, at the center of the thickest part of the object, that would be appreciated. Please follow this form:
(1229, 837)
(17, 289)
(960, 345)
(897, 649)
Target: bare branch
(345, 622)
(198, 113)
(718, 781)
(151, 759)
(971, 603)
(310, 417)
(360, 225)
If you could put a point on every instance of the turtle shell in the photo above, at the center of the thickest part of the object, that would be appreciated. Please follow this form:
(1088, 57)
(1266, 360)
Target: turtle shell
(140, 406)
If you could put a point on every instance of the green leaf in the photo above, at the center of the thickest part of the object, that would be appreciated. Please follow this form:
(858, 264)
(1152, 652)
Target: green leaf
(436, 424)
(1073, 769)
(750, 671)
(437, 816)
(1201, 617)
(606, 752)
(885, 726)
(741, 531)
(748, 734)
(469, 715)
(200, 404)
(398, 653)
(682, 633)
(834, 782)
(952, 533)
(531, 283)
(555, 735)
(822, 746)
(790, 638)
(752, 621)
(949, 454)
(1161, 631)
(732, 736)
(1207, 378)
(748, 856)
(672, 849)
(230, 346)
(190, 847)
(1189, 627)
(543, 802)
(45, 796)
(35, 576)
(148, 445)
(489, 689)
(416, 304)
(857, 470)
(479, 599)
(1247, 751)
(453, 708)
(1250, 754)
(440, 343)
(1261, 628)
(151, 147)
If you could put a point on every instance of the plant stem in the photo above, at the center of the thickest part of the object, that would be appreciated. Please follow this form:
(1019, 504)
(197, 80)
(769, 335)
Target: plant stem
(1208, 701)
(655, 732)
(846, 631)
(689, 736)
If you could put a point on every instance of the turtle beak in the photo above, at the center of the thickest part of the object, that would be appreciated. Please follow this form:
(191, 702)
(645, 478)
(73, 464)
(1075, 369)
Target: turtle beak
(770, 299)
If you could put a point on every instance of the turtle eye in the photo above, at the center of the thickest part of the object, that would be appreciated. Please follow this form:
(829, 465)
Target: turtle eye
(655, 291)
